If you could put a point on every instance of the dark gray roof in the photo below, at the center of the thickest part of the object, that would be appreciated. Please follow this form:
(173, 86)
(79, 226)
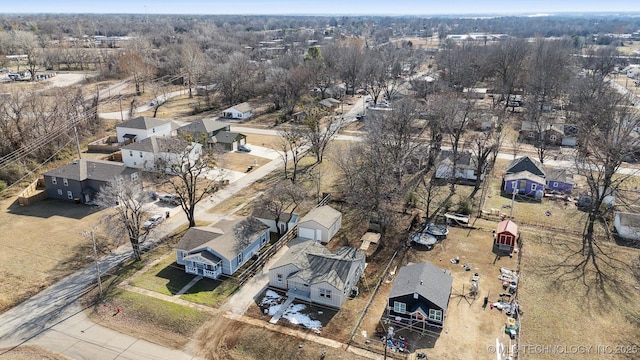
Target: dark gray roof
(317, 264)
(227, 137)
(152, 144)
(224, 237)
(526, 163)
(142, 122)
(263, 213)
(204, 126)
(432, 283)
(85, 169)
(525, 175)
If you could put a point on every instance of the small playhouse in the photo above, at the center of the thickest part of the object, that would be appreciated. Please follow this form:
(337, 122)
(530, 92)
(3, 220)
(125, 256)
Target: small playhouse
(506, 236)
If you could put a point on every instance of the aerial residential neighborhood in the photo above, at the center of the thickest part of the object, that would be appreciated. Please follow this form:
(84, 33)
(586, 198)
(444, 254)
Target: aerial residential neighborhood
(264, 182)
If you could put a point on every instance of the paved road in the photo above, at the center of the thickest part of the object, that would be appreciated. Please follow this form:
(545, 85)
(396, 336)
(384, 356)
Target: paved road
(48, 318)
(125, 114)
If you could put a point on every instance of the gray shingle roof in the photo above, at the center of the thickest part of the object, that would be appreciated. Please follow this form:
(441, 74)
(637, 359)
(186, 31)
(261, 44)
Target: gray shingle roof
(152, 144)
(204, 126)
(227, 137)
(464, 157)
(557, 174)
(224, 237)
(525, 175)
(243, 107)
(317, 264)
(526, 163)
(427, 280)
(323, 215)
(142, 122)
(85, 169)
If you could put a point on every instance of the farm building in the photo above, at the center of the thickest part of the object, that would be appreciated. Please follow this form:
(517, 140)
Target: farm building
(506, 236)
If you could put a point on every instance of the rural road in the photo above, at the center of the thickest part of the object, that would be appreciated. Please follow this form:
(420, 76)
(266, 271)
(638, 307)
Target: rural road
(53, 319)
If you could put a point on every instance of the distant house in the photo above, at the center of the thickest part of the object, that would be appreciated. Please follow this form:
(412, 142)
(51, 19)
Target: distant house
(559, 180)
(240, 111)
(285, 222)
(329, 103)
(229, 140)
(159, 154)
(558, 134)
(627, 225)
(554, 134)
(570, 137)
(465, 166)
(81, 180)
(142, 127)
(203, 130)
(506, 236)
(420, 296)
(475, 93)
(483, 122)
(311, 272)
(321, 224)
(221, 249)
(524, 183)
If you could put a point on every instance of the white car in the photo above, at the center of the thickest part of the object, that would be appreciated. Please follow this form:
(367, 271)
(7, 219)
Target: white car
(153, 221)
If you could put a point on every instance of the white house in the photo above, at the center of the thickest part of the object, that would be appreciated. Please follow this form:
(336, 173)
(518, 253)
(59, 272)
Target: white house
(321, 223)
(154, 152)
(465, 166)
(285, 222)
(221, 249)
(240, 111)
(142, 127)
(309, 271)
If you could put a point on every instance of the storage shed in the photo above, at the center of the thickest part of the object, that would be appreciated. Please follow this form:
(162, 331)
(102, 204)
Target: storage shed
(506, 236)
(321, 224)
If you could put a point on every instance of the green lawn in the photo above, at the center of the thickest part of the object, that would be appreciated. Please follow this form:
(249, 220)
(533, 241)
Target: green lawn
(210, 292)
(166, 277)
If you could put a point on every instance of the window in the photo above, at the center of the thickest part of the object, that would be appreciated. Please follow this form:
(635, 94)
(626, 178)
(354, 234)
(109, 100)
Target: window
(514, 184)
(531, 135)
(134, 176)
(325, 293)
(552, 138)
(54, 180)
(239, 259)
(533, 186)
(153, 130)
(140, 153)
(130, 153)
(69, 195)
(135, 163)
(435, 315)
(60, 192)
(279, 278)
(65, 182)
(264, 240)
(399, 307)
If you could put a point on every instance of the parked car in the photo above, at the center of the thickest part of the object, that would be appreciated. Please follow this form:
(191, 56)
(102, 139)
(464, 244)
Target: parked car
(153, 221)
(244, 148)
(170, 198)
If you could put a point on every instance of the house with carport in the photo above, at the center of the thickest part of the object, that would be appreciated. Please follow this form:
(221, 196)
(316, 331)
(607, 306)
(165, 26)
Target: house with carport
(222, 248)
(320, 224)
(311, 272)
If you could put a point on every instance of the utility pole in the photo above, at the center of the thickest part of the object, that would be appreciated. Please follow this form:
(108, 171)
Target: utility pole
(75, 131)
(513, 197)
(95, 258)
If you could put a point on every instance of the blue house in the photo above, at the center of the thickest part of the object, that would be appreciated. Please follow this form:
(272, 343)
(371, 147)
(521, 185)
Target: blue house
(559, 180)
(525, 183)
(526, 164)
(221, 249)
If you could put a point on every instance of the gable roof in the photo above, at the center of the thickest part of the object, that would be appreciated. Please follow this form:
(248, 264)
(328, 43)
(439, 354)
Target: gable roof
(561, 175)
(224, 237)
(317, 264)
(227, 137)
(152, 144)
(85, 169)
(525, 175)
(324, 215)
(507, 226)
(243, 108)
(526, 163)
(204, 126)
(143, 122)
(629, 220)
(425, 279)
(464, 157)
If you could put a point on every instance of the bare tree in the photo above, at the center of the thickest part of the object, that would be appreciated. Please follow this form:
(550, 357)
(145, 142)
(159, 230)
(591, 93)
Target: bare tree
(193, 65)
(482, 146)
(507, 66)
(290, 146)
(318, 129)
(282, 198)
(130, 209)
(134, 65)
(234, 78)
(185, 170)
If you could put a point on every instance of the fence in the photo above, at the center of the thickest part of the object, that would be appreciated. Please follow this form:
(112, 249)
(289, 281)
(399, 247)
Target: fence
(262, 259)
(31, 194)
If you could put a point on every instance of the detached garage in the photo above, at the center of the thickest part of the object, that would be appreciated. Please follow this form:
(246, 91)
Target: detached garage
(321, 224)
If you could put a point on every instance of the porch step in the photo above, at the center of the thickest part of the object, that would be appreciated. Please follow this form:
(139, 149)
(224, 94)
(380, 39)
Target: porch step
(282, 309)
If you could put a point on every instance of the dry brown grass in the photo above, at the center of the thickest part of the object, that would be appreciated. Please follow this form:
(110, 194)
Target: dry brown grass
(30, 353)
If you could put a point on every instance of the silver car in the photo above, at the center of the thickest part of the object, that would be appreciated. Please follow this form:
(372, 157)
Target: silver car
(153, 221)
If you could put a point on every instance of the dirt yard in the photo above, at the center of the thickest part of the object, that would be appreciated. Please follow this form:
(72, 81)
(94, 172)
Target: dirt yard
(41, 243)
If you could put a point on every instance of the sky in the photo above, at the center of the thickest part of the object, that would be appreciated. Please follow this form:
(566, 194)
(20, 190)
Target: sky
(320, 7)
